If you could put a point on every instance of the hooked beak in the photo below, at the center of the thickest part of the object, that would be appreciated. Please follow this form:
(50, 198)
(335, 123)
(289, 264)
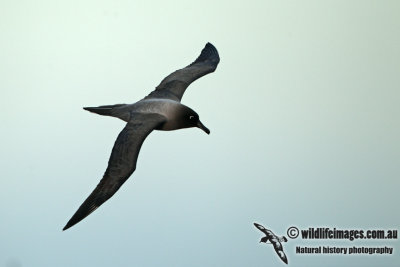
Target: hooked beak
(204, 128)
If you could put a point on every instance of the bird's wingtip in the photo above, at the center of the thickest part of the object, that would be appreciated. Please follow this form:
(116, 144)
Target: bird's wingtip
(208, 54)
(66, 226)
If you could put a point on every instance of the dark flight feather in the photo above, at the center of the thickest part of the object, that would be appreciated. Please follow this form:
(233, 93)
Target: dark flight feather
(121, 165)
(174, 85)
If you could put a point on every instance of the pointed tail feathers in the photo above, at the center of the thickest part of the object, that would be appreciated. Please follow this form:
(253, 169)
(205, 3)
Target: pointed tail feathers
(103, 110)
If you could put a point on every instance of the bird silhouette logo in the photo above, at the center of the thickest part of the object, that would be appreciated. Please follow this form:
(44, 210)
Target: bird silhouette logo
(271, 238)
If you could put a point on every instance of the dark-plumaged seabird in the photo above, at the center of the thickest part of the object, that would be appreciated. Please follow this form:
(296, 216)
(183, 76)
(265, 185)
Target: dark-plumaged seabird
(160, 110)
(274, 240)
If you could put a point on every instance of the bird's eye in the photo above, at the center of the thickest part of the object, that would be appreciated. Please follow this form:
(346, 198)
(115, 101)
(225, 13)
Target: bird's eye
(191, 117)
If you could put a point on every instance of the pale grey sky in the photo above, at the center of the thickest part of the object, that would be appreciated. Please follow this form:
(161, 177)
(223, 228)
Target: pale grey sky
(303, 111)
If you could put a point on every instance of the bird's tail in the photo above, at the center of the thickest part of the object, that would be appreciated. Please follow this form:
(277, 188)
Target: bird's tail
(104, 110)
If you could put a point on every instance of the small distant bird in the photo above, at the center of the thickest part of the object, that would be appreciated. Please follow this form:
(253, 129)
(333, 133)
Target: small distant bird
(160, 110)
(274, 240)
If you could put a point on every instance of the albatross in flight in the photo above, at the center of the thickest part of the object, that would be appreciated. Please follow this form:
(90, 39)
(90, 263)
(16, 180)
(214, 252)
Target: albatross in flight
(160, 110)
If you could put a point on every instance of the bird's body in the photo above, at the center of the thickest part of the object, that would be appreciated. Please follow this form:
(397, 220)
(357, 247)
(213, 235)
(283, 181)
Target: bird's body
(160, 110)
(167, 108)
(274, 240)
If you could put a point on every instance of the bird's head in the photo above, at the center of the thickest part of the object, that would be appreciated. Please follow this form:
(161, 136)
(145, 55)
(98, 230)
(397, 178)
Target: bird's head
(264, 239)
(191, 119)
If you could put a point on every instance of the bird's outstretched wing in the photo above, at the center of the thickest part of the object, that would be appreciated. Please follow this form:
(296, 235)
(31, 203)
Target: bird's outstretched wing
(279, 250)
(174, 85)
(261, 228)
(122, 163)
